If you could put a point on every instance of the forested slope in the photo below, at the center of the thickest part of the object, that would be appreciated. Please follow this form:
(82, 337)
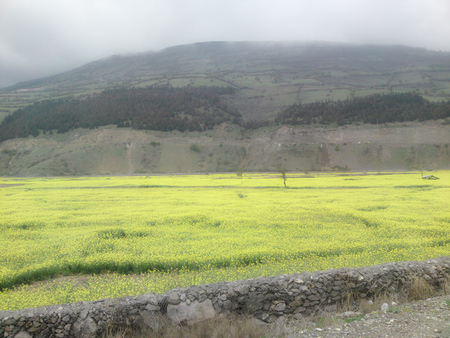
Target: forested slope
(153, 108)
(378, 108)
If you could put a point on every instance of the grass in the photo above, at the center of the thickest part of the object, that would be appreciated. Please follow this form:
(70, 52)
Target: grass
(222, 327)
(420, 289)
(134, 235)
(353, 319)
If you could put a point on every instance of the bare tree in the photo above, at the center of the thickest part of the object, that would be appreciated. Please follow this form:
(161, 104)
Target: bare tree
(283, 176)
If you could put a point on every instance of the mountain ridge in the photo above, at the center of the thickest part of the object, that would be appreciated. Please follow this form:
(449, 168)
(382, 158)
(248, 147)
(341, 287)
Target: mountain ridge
(218, 47)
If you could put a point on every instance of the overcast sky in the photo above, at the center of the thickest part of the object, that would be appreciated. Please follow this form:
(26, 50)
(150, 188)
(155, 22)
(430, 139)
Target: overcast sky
(45, 37)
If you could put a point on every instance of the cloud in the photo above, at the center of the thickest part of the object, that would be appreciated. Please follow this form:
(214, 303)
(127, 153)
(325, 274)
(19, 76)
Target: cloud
(40, 38)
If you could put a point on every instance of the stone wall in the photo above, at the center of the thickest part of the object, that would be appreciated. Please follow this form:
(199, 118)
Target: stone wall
(266, 298)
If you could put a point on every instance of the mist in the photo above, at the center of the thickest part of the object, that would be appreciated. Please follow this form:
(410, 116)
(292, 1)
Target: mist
(46, 37)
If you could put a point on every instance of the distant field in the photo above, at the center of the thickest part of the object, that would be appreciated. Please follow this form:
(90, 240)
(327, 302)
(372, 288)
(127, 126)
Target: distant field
(181, 230)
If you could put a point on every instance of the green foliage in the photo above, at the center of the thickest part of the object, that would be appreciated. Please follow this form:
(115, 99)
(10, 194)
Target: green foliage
(374, 109)
(9, 152)
(369, 223)
(394, 309)
(194, 148)
(374, 208)
(111, 233)
(353, 319)
(29, 226)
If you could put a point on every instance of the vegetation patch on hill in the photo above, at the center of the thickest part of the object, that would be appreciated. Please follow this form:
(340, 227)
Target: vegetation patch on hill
(378, 108)
(156, 108)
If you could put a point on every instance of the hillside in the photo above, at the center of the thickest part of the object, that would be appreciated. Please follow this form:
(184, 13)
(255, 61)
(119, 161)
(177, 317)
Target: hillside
(120, 151)
(267, 106)
(267, 75)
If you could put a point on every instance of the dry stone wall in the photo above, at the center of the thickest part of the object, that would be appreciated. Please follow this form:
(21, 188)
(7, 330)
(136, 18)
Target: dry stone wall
(267, 298)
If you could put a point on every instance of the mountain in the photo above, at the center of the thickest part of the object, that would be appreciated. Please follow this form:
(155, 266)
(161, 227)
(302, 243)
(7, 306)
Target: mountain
(268, 75)
(264, 81)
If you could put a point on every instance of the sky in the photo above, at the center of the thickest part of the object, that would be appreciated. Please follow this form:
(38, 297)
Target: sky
(41, 38)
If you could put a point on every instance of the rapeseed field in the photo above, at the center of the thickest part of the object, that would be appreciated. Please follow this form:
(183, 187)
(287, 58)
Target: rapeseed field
(87, 238)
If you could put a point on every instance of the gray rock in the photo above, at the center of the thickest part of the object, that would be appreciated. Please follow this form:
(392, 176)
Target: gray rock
(227, 305)
(259, 322)
(85, 328)
(202, 297)
(281, 320)
(263, 316)
(193, 313)
(280, 307)
(23, 334)
(151, 307)
(243, 290)
(83, 315)
(271, 319)
(150, 319)
(297, 316)
(174, 299)
(349, 314)
(9, 321)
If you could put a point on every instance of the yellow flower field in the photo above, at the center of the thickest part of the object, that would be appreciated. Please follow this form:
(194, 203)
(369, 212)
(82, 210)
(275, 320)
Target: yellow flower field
(134, 235)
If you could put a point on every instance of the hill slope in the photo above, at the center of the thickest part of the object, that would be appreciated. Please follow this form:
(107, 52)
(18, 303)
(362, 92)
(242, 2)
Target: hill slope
(123, 151)
(266, 79)
(267, 75)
